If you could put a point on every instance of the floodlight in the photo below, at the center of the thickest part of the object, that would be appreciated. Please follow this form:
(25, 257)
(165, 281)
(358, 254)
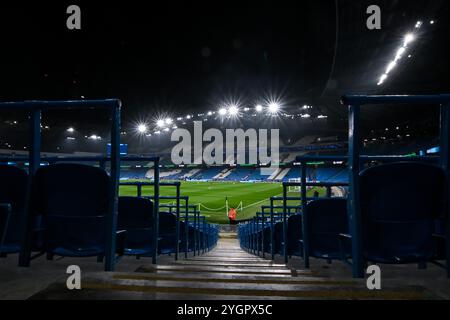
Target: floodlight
(390, 66)
(408, 38)
(160, 123)
(222, 111)
(233, 110)
(141, 128)
(399, 53)
(259, 108)
(382, 78)
(95, 137)
(168, 121)
(274, 107)
(70, 130)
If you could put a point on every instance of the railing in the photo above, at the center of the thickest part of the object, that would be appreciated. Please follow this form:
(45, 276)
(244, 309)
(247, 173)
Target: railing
(356, 162)
(354, 103)
(34, 109)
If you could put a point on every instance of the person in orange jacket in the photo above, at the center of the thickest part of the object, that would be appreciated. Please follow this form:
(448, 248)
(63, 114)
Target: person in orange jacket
(232, 215)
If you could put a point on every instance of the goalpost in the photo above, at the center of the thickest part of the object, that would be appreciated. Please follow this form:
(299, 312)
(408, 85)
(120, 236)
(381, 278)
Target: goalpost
(294, 188)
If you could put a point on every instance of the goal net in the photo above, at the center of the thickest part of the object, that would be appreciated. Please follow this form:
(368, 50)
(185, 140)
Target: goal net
(294, 188)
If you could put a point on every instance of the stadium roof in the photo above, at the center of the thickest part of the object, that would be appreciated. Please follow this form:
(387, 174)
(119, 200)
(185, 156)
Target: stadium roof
(180, 58)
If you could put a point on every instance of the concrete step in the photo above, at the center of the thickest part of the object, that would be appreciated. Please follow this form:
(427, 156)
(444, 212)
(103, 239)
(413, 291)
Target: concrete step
(107, 285)
(256, 264)
(231, 269)
(232, 278)
(227, 272)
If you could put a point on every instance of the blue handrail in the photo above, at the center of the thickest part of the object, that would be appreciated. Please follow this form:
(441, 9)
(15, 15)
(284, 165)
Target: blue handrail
(354, 103)
(34, 109)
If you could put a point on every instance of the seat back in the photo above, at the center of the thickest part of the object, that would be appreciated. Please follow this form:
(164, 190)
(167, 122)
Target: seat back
(167, 222)
(167, 232)
(327, 218)
(13, 191)
(73, 202)
(136, 217)
(294, 234)
(134, 213)
(399, 205)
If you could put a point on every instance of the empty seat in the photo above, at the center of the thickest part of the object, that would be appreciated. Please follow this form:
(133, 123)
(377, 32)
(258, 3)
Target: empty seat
(327, 219)
(5, 216)
(72, 200)
(294, 234)
(400, 203)
(13, 192)
(439, 239)
(167, 232)
(136, 217)
(278, 238)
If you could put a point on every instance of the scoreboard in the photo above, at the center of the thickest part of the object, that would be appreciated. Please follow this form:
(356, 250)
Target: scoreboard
(123, 149)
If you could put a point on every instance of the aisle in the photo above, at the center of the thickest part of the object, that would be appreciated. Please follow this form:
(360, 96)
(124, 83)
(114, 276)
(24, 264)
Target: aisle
(226, 272)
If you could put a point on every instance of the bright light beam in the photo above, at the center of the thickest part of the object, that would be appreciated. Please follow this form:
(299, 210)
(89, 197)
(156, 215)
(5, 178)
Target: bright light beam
(382, 79)
(141, 128)
(391, 66)
(274, 107)
(408, 39)
(233, 110)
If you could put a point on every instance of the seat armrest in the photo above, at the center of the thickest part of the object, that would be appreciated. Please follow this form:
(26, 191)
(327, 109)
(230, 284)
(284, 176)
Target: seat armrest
(344, 238)
(5, 216)
(120, 241)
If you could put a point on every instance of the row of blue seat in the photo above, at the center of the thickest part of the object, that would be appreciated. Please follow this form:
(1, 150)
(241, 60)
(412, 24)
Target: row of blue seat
(403, 214)
(69, 203)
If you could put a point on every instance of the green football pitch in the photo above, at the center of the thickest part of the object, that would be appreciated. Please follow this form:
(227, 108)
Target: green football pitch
(211, 197)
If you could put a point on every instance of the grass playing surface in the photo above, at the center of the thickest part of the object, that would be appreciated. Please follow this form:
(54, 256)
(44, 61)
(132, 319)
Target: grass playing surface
(211, 196)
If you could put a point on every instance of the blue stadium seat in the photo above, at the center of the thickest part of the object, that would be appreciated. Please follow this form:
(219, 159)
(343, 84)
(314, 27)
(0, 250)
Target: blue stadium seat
(439, 239)
(327, 219)
(136, 218)
(294, 234)
(400, 203)
(278, 238)
(13, 192)
(72, 201)
(5, 216)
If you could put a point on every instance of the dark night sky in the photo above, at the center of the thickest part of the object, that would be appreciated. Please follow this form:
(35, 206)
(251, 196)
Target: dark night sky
(188, 56)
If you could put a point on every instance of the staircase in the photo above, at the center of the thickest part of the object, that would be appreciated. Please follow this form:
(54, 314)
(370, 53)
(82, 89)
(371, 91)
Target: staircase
(226, 272)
